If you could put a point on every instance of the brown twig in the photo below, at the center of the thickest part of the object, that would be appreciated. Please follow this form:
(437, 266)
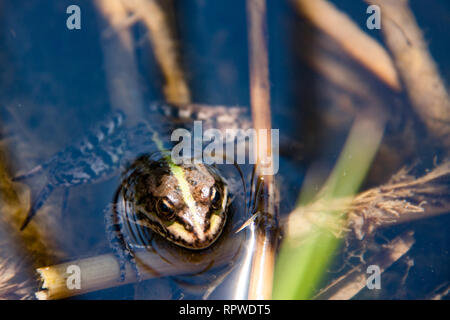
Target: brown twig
(355, 280)
(416, 67)
(164, 45)
(266, 224)
(351, 38)
(402, 199)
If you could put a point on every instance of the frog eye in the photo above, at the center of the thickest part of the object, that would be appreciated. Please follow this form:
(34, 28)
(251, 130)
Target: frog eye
(165, 208)
(215, 198)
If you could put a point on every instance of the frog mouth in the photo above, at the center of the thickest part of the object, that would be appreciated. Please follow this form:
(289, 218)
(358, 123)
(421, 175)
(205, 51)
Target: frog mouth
(179, 235)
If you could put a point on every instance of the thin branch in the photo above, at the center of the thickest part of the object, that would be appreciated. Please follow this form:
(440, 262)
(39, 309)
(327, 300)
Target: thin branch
(355, 280)
(402, 199)
(351, 38)
(165, 48)
(416, 67)
(266, 224)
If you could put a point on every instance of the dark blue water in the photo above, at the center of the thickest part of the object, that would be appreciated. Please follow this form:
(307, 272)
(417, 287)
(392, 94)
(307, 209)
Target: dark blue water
(53, 87)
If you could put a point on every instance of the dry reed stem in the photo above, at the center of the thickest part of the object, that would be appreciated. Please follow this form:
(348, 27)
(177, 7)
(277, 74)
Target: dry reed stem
(402, 199)
(97, 273)
(263, 262)
(351, 38)
(347, 286)
(416, 67)
(101, 272)
(165, 48)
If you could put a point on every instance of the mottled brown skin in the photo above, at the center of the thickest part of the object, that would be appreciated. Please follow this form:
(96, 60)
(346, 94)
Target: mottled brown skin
(161, 205)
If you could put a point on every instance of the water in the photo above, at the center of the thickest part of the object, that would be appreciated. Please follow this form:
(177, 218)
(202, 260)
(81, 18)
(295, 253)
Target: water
(53, 88)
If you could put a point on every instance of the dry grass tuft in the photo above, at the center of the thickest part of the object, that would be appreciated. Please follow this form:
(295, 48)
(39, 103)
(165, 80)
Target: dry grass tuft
(403, 196)
(402, 199)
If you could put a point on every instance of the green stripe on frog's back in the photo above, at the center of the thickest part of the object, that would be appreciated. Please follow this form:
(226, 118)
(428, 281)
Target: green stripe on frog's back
(178, 173)
(188, 202)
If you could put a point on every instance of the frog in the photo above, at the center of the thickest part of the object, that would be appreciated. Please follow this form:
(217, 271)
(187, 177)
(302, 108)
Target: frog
(186, 203)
